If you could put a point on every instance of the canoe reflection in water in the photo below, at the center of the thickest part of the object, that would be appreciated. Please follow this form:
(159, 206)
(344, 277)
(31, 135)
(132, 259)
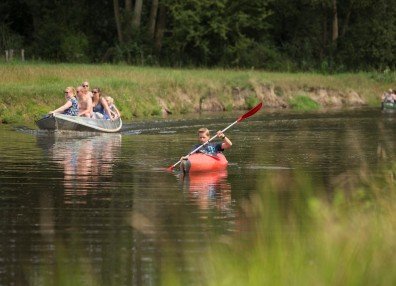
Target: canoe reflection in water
(208, 189)
(87, 162)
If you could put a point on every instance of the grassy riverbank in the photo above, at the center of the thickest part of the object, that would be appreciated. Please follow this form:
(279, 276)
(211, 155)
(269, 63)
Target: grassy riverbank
(28, 90)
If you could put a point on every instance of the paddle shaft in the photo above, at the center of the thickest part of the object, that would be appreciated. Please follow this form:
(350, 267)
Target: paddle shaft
(246, 115)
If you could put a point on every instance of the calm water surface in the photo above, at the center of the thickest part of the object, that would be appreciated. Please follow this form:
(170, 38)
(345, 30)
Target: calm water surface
(103, 207)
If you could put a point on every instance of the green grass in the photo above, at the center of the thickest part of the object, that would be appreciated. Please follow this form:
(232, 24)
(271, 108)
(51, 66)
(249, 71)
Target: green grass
(347, 239)
(145, 91)
(303, 102)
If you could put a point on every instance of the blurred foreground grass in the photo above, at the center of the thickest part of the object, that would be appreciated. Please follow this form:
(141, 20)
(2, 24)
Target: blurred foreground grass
(288, 234)
(347, 238)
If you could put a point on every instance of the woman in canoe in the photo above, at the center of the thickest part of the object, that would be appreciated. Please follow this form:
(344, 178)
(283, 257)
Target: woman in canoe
(101, 109)
(71, 105)
(210, 149)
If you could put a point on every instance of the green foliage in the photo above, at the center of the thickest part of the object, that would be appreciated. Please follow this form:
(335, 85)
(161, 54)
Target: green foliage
(156, 111)
(251, 101)
(265, 34)
(370, 43)
(9, 39)
(303, 102)
(228, 107)
(29, 90)
(302, 240)
(74, 47)
(208, 32)
(387, 76)
(8, 116)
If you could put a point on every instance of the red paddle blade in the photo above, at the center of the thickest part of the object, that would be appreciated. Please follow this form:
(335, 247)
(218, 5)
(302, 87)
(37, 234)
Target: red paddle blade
(170, 168)
(251, 112)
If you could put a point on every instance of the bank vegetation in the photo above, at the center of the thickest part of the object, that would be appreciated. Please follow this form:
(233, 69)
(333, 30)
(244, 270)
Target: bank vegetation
(30, 90)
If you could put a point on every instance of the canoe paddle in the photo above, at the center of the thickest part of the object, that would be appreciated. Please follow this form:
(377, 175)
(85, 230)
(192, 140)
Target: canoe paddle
(246, 115)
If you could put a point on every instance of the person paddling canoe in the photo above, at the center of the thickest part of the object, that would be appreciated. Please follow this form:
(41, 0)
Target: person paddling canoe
(210, 149)
(225, 145)
(71, 105)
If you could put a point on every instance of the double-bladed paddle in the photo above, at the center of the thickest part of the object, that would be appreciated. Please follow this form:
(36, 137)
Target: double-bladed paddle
(246, 115)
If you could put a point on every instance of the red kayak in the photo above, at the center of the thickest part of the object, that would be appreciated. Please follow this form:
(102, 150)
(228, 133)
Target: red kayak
(200, 162)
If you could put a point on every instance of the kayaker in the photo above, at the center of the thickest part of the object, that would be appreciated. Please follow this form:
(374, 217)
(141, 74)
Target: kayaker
(211, 148)
(71, 105)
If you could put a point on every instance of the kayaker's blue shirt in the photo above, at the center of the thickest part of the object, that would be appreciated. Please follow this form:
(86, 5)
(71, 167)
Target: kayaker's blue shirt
(72, 110)
(210, 148)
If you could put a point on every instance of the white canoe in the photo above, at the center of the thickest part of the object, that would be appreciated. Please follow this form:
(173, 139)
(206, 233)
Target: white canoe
(77, 123)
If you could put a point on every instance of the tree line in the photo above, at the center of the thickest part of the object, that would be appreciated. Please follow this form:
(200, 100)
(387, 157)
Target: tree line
(283, 35)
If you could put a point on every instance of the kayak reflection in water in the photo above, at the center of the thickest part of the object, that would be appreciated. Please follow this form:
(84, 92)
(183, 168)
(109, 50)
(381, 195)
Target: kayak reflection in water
(208, 190)
(214, 159)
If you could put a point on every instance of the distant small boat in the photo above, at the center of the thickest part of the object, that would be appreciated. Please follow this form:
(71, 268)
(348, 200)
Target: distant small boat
(77, 123)
(388, 105)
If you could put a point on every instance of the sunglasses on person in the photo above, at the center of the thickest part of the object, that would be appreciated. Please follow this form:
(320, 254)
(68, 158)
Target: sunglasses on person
(85, 85)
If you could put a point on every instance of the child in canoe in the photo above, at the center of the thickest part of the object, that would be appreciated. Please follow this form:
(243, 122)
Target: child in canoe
(210, 148)
(115, 113)
(71, 105)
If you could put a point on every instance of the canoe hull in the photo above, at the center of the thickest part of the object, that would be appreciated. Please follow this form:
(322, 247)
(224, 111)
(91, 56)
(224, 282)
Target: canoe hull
(388, 105)
(76, 123)
(200, 162)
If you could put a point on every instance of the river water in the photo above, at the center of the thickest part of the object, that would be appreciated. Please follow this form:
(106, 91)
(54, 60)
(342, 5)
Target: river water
(102, 207)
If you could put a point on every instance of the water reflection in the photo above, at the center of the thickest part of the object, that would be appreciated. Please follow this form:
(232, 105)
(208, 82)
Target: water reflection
(82, 205)
(86, 162)
(208, 190)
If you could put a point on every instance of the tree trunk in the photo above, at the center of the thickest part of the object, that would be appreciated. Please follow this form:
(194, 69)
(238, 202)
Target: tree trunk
(137, 14)
(153, 18)
(159, 33)
(324, 32)
(335, 22)
(128, 15)
(347, 18)
(128, 6)
(117, 18)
